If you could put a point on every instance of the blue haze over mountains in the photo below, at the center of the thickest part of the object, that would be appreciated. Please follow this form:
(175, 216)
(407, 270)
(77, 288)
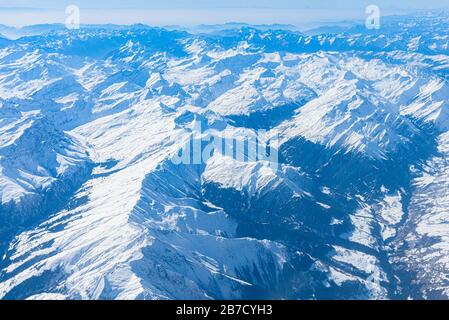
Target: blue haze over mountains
(93, 207)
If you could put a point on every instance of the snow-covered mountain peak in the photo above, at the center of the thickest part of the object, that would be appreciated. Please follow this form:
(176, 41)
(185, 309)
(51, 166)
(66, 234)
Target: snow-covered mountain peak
(143, 163)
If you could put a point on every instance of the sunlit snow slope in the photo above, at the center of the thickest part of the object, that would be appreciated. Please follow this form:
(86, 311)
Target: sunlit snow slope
(95, 205)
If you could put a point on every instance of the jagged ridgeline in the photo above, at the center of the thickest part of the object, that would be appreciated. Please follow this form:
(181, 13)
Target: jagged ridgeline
(351, 203)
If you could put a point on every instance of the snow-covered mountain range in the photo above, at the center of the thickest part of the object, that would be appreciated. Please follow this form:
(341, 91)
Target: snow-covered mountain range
(93, 205)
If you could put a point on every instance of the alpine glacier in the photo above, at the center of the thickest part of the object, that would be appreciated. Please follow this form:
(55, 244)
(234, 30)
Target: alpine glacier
(94, 204)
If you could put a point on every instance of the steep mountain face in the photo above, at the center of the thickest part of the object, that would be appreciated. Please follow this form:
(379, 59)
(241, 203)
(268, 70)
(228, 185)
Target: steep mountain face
(40, 168)
(121, 175)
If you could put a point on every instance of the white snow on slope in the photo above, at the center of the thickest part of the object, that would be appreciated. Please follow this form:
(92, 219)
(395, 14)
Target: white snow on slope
(426, 232)
(139, 227)
(34, 155)
(149, 240)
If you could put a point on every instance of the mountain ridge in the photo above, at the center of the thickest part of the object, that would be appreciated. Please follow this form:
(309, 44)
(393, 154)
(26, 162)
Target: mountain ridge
(94, 122)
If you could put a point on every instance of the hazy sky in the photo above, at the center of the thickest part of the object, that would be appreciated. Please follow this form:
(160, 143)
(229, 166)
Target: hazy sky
(189, 12)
